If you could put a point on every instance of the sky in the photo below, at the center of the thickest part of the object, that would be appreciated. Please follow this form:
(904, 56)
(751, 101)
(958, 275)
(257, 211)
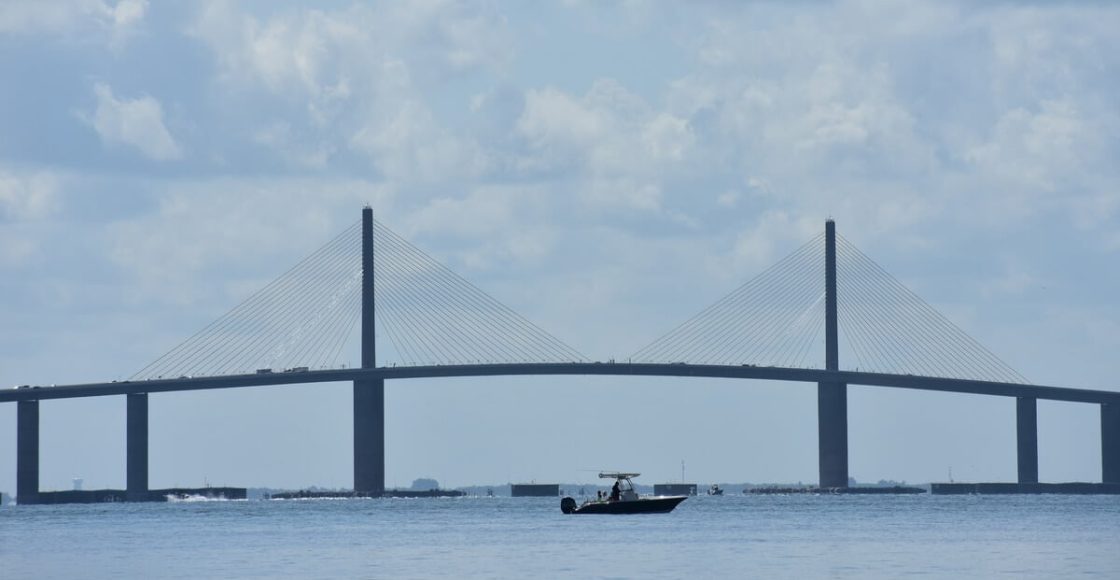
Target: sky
(606, 169)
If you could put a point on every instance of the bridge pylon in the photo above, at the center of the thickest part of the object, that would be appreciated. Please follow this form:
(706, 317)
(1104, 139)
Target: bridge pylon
(832, 397)
(369, 394)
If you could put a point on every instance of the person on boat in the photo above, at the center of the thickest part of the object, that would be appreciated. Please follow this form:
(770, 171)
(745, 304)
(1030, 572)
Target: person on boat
(599, 494)
(616, 492)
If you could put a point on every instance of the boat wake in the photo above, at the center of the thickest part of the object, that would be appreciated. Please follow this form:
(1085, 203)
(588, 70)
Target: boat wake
(193, 497)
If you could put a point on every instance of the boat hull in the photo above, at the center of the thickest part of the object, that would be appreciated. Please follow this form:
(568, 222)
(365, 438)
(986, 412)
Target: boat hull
(646, 505)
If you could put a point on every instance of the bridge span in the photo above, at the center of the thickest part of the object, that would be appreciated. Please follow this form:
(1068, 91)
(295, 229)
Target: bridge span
(369, 380)
(611, 368)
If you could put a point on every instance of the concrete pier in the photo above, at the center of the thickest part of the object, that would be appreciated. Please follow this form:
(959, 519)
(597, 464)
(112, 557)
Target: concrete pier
(27, 452)
(832, 434)
(136, 464)
(369, 394)
(832, 398)
(369, 435)
(1026, 426)
(1110, 443)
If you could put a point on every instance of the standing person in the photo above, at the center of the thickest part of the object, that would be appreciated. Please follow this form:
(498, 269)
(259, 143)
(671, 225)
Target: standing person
(616, 492)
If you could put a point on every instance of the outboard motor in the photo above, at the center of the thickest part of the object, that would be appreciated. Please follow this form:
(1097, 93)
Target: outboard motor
(568, 505)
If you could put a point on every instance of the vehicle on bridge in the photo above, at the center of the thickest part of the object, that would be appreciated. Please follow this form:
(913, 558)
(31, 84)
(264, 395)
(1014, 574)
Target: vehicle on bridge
(622, 499)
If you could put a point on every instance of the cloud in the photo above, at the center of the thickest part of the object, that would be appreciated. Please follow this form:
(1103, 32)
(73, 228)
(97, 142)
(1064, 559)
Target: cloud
(113, 22)
(134, 122)
(248, 230)
(1014, 279)
(408, 144)
(358, 79)
(27, 196)
(1037, 150)
(314, 50)
(126, 16)
(281, 138)
(924, 117)
(615, 145)
(464, 227)
(774, 230)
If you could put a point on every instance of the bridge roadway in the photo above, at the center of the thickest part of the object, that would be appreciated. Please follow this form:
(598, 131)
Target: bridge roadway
(581, 368)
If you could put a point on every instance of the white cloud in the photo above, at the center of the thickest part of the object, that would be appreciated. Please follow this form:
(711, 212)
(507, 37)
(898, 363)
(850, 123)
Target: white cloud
(552, 118)
(362, 76)
(926, 116)
(617, 147)
(468, 225)
(774, 230)
(407, 144)
(126, 17)
(24, 198)
(27, 197)
(114, 22)
(1037, 150)
(280, 137)
(250, 230)
(134, 122)
(1014, 279)
(667, 138)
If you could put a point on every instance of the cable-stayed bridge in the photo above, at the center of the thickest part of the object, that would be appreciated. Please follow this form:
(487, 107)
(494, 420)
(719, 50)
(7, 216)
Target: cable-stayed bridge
(825, 302)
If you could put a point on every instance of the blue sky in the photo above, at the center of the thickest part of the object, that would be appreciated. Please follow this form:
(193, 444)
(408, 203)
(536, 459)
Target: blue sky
(605, 169)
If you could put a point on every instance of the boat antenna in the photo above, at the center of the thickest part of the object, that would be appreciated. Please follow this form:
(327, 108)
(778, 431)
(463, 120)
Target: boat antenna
(682, 471)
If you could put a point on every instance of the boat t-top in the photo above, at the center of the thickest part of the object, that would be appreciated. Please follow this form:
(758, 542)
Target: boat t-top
(622, 499)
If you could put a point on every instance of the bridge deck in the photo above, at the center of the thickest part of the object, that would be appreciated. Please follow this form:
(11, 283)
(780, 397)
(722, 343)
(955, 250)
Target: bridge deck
(595, 368)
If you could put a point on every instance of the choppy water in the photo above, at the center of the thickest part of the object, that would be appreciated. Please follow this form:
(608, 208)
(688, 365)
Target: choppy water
(706, 537)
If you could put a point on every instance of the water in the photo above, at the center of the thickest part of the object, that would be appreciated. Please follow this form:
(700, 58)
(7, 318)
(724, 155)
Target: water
(706, 537)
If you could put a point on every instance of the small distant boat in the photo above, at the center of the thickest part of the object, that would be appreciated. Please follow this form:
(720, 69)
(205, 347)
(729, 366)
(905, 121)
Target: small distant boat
(622, 499)
(715, 489)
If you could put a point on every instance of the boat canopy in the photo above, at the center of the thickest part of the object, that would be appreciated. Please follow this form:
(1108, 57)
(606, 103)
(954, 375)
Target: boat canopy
(617, 475)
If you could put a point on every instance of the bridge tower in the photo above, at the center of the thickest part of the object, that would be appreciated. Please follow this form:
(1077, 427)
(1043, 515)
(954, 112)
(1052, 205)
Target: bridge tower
(369, 394)
(832, 397)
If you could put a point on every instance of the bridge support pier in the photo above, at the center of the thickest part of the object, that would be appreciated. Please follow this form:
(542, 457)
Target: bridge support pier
(27, 452)
(369, 435)
(137, 447)
(832, 433)
(1110, 442)
(1026, 427)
